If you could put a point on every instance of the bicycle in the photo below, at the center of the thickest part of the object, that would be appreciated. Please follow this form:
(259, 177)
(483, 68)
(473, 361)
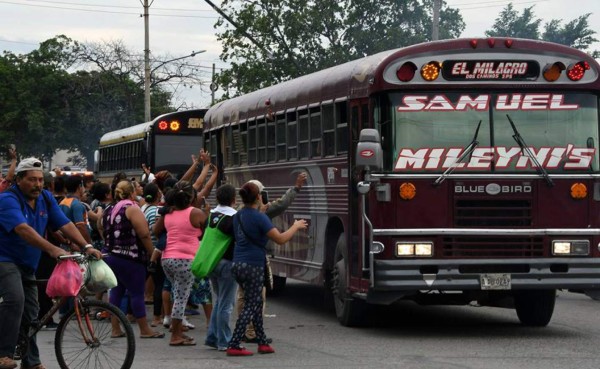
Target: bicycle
(83, 337)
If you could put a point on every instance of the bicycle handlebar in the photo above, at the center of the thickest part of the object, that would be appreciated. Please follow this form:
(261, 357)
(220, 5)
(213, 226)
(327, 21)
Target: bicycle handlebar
(78, 257)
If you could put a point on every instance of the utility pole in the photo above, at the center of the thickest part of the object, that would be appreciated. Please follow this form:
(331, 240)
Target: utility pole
(435, 29)
(146, 62)
(213, 87)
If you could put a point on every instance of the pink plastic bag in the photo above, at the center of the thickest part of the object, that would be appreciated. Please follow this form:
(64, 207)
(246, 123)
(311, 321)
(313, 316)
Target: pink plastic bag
(65, 280)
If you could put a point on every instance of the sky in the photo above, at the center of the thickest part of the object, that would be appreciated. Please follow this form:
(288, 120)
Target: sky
(179, 27)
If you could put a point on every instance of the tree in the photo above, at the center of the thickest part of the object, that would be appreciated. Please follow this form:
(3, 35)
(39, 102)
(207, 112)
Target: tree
(297, 37)
(65, 95)
(35, 105)
(510, 24)
(575, 33)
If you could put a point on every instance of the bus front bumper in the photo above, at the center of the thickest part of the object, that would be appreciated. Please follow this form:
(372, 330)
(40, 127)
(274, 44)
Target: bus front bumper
(396, 276)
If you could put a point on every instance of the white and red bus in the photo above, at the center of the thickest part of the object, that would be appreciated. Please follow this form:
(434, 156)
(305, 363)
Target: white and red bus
(448, 172)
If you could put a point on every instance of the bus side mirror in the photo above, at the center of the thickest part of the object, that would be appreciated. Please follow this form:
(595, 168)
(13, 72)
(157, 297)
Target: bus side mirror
(96, 161)
(369, 153)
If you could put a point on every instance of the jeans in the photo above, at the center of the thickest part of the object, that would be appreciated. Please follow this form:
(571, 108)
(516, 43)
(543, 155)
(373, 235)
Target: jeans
(224, 289)
(18, 308)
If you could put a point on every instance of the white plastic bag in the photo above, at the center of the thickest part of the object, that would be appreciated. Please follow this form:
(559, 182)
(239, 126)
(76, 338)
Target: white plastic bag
(99, 277)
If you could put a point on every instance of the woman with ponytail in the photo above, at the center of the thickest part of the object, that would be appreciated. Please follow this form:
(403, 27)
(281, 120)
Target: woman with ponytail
(152, 197)
(127, 240)
(252, 230)
(184, 224)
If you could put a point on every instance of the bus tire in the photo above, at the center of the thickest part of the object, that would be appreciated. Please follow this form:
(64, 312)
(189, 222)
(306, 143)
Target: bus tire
(278, 286)
(349, 310)
(535, 307)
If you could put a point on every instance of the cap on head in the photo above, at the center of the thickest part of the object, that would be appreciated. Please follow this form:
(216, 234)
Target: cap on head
(29, 164)
(258, 184)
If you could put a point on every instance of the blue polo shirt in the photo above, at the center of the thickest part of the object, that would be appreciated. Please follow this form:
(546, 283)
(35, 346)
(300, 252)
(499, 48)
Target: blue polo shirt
(251, 249)
(13, 249)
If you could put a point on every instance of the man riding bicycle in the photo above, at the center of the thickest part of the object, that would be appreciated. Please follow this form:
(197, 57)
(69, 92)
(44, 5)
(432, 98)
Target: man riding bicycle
(25, 212)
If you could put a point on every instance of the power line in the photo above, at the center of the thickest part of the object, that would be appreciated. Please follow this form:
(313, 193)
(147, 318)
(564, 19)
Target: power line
(19, 42)
(471, 6)
(115, 6)
(106, 11)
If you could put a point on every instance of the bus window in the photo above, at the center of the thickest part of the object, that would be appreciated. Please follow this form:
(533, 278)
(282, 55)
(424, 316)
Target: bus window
(271, 147)
(228, 160)
(341, 126)
(214, 150)
(235, 145)
(315, 132)
(262, 140)
(364, 116)
(303, 137)
(243, 143)
(292, 137)
(281, 138)
(354, 123)
(252, 142)
(328, 130)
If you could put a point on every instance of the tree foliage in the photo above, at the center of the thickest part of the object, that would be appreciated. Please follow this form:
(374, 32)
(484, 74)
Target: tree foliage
(66, 95)
(576, 33)
(297, 37)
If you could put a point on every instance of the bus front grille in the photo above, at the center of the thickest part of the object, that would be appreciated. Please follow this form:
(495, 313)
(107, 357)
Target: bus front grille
(492, 213)
(492, 247)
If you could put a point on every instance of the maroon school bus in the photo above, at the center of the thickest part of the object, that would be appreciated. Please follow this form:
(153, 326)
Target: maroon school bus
(447, 172)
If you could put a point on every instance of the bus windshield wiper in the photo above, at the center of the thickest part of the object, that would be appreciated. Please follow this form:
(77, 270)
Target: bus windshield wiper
(466, 152)
(525, 149)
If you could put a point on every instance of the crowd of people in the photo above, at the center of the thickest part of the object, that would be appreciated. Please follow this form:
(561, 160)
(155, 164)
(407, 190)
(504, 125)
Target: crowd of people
(149, 231)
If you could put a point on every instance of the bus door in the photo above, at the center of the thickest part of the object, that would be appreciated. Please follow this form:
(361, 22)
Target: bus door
(213, 143)
(359, 260)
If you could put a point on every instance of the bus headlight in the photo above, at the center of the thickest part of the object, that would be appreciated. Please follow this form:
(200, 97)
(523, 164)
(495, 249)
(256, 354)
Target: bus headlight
(570, 247)
(412, 249)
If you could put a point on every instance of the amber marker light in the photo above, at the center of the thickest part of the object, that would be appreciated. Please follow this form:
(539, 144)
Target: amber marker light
(408, 191)
(578, 191)
(552, 71)
(431, 71)
(175, 125)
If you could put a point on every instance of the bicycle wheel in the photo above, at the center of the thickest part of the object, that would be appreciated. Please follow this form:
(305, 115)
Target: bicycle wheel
(101, 349)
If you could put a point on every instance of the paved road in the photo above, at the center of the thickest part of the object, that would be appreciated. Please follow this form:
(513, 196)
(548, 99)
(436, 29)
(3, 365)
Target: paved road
(307, 336)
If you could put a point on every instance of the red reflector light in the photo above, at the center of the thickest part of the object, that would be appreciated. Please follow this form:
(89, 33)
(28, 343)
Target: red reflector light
(473, 43)
(576, 71)
(163, 125)
(406, 72)
(175, 125)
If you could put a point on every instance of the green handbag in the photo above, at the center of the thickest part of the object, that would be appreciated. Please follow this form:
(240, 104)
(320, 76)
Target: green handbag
(212, 248)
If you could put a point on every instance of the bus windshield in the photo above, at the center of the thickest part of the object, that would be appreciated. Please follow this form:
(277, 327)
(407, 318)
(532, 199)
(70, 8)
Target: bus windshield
(472, 132)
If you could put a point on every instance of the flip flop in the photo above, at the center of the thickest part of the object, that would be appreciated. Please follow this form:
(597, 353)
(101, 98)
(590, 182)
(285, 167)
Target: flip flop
(122, 334)
(155, 335)
(183, 343)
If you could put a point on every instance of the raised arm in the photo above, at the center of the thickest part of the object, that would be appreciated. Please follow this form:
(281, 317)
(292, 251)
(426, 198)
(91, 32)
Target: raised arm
(203, 157)
(281, 238)
(10, 176)
(277, 207)
(205, 191)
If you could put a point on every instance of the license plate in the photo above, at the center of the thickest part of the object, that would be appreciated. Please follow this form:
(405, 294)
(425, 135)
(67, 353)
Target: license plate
(495, 281)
